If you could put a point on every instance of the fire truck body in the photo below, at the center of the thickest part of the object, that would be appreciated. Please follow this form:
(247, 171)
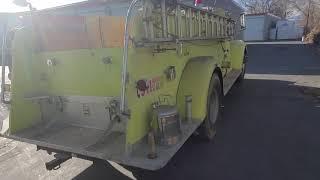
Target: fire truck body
(128, 91)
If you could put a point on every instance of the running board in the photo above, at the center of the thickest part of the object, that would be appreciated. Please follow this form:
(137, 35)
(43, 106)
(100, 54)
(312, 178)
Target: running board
(229, 80)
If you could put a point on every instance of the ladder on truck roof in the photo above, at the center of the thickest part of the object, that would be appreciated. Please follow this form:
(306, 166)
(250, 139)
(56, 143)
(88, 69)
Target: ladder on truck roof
(168, 20)
(174, 21)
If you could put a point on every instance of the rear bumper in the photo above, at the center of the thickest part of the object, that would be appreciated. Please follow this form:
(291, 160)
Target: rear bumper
(104, 150)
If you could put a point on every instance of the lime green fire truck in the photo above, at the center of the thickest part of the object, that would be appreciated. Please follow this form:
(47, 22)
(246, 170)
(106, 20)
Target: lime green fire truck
(130, 88)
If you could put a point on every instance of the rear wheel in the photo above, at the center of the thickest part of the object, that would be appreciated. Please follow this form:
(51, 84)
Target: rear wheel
(208, 128)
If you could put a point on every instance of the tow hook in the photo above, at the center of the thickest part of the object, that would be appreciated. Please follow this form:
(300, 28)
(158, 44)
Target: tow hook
(56, 163)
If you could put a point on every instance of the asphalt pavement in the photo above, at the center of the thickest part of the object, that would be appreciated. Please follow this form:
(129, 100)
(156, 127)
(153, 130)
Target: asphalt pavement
(270, 129)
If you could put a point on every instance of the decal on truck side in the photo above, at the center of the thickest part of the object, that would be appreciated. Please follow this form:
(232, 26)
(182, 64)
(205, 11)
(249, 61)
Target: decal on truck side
(145, 87)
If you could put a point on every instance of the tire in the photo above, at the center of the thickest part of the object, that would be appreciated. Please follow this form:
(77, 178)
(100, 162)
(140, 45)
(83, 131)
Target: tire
(208, 127)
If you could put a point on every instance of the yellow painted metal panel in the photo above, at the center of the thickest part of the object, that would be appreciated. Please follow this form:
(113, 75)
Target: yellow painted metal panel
(237, 49)
(195, 82)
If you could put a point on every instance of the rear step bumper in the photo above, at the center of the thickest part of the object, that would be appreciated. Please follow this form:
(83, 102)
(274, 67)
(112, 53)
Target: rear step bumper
(138, 157)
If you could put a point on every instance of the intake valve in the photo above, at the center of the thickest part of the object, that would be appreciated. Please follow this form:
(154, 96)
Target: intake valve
(142, 85)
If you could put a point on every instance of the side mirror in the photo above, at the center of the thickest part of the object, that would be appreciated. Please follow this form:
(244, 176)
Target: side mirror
(242, 22)
(22, 3)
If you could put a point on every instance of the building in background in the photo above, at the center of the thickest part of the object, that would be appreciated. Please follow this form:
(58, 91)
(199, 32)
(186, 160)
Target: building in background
(258, 26)
(268, 27)
(287, 30)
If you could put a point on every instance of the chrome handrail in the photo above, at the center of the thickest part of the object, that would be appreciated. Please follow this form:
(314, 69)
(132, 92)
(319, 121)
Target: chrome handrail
(125, 58)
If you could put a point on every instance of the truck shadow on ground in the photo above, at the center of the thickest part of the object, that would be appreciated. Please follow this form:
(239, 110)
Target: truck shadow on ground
(101, 171)
(269, 130)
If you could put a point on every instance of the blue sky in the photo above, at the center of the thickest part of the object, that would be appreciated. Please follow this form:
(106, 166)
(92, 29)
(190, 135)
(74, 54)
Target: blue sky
(8, 6)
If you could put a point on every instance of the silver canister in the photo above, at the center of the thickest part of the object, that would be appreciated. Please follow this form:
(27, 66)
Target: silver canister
(188, 109)
(169, 124)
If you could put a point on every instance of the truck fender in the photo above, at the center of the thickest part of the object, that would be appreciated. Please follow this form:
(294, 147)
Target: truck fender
(195, 82)
(238, 50)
